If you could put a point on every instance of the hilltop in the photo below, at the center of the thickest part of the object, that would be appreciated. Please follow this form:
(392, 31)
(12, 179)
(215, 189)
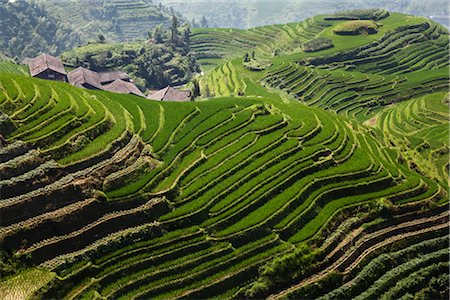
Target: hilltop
(313, 165)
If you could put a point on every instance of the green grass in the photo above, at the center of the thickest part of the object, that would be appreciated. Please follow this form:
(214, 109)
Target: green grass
(12, 68)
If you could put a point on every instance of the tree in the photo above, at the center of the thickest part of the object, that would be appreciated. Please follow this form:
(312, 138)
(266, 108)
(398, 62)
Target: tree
(204, 22)
(187, 36)
(101, 38)
(246, 57)
(194, 23)
(149, 35)
(253, 55)
(207, 92)
(174, 29)
(195, 89)
(157, 34)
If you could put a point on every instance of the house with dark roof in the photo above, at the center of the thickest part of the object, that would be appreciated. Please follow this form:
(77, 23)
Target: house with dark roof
(47, 67)
(123, 87)
(84, 78)
(170, 94)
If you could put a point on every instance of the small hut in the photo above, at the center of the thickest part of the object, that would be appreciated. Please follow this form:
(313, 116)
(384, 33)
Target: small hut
(47, 67)
(84, 78)
(123, 87)
(170, 94)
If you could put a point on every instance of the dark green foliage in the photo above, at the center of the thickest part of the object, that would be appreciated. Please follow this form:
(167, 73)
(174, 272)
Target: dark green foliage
(6, 125)
(318, 44)
(246, 57)
(283, 271)
(437, 288)
(195, 89)
(316, 289)
(27, 30)
(157, 35)
(101, 38)
(10, 265)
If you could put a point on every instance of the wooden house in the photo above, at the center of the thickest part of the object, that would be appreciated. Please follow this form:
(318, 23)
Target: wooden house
(84, 78)
(170, 94)
(47, 67)
(123, 87)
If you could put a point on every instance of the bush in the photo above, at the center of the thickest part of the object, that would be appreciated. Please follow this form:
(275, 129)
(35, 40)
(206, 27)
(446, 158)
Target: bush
(356, 27)
(318, 44)
(258, 64)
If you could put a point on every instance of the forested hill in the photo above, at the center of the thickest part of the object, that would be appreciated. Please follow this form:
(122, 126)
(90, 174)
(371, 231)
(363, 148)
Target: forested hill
(117, 20)
(252, 13)
(27, 29)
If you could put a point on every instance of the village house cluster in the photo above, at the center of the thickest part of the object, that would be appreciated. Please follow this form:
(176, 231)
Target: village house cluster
(48, 67)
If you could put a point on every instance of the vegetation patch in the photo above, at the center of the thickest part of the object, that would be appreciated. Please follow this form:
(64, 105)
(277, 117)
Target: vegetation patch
(318, 45)
(356, 27)
(258, 64)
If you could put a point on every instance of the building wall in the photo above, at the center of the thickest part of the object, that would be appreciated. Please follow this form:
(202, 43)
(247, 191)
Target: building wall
(52, 75)
(89, 87)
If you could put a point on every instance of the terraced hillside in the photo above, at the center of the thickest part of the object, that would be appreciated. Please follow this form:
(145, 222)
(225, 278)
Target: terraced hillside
(358, 77)
(303, 180)
(12, 68)
(118, 20)
(212, 44)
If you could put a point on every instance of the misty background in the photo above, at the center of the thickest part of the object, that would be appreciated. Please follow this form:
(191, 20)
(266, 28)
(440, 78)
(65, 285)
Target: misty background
(252, 13)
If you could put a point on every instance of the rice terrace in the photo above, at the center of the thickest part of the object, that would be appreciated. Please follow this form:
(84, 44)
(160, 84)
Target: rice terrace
(305, 160)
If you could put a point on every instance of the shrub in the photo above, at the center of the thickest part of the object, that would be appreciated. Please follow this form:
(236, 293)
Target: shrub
(318, 44)
(356, 28)
(258, 64)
